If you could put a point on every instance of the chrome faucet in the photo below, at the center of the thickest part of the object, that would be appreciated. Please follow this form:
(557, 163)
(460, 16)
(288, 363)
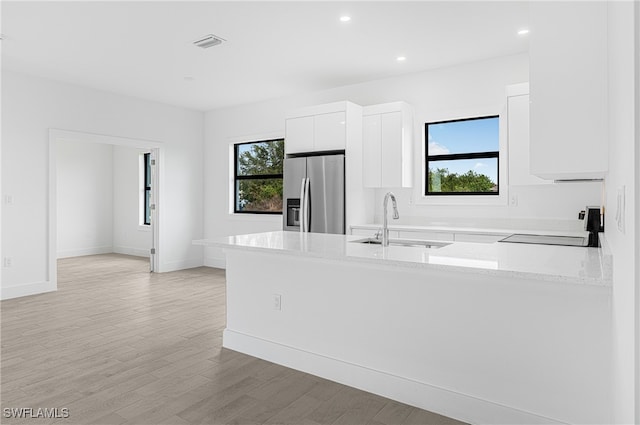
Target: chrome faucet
(385, 226)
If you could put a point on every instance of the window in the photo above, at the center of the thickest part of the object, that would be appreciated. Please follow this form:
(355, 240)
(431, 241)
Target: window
(462, 157)
(258, 177)
(147, 189)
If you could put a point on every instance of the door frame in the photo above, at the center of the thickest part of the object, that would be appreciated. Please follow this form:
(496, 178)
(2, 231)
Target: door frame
(58, 135)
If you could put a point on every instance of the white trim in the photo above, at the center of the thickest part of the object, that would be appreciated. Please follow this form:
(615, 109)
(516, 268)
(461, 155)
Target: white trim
(265, 218)
(171, 266)
(127, 250)
(85, 251)
(56, 135)
(23, 290)
(636, 212)
(519, 89)
(429, 397)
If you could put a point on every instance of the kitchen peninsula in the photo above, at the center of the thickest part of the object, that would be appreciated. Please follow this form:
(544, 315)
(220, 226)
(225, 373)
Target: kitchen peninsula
(485, 333)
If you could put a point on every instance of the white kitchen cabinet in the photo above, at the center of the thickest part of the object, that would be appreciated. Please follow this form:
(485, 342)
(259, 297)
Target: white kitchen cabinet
(387, 142)
(334, 126)
(568, 83)
(518, 137)
(371, 233)
(478, 237)
(321, 129)
(329, 131)
(372, 150)
(299, 134)
(426, 236)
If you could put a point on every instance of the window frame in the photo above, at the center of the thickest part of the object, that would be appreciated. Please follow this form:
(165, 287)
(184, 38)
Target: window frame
(460, 156)
(236, 177)
(146, 190)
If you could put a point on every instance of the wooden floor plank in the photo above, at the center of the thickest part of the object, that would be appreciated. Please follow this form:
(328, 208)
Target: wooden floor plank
(119, 345)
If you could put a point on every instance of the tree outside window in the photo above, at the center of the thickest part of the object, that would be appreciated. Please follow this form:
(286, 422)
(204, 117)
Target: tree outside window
(258, 177)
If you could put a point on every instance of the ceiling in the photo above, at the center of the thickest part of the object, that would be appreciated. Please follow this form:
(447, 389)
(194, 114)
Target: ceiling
(273, 49)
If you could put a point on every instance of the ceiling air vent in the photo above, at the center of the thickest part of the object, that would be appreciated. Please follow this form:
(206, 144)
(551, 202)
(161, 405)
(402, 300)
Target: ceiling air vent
(208, 41)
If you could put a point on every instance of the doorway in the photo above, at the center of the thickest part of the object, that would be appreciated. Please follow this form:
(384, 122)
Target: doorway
(91, 178)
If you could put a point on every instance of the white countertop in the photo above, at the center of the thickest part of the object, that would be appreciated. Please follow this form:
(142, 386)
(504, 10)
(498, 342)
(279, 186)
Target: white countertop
(568, 264)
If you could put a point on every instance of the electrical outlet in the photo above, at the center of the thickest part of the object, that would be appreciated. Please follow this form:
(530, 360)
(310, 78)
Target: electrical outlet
(277, 302)
(8, 199)
(7, 262)
(513, 200)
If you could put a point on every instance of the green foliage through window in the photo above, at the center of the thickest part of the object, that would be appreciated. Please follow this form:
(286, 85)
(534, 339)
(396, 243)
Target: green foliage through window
(258, 177)
(441, 180)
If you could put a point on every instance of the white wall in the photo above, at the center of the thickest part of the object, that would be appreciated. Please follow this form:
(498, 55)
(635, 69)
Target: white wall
(460, 91)
(623, 171)
(129, 237)
(85, 197)
(31, 106)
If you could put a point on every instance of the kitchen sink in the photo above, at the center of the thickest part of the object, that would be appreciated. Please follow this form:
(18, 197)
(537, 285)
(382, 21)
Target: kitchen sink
(403, 242)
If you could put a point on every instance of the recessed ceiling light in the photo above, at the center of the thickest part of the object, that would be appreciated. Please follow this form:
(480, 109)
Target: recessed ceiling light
(345, 18)
(401, 59)
(523, 31)
(208, 41)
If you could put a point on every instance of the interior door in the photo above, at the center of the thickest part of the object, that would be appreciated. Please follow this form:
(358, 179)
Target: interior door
(153, 205)
(326, 194)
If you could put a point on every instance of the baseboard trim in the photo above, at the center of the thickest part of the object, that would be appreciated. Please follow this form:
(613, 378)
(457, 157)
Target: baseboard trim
(425, 396)
(127, 250)
(17, 291)
(171, 266)
(217, 262)
(85, 251)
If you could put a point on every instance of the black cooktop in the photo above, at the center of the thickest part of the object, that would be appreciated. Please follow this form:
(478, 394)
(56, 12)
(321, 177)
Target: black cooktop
(547, 240)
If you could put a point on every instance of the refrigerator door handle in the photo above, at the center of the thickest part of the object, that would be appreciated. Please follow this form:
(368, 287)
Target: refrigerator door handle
(302, 204)
(306, 205)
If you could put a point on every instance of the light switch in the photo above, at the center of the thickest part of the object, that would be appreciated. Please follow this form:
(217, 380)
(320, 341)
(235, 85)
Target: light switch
(277, 302)
(620, 207)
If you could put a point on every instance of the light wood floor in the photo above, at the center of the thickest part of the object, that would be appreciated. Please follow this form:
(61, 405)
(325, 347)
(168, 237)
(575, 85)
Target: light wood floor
(118, 345)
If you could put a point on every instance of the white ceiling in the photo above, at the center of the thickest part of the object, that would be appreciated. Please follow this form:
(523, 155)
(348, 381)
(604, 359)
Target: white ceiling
(274, 49)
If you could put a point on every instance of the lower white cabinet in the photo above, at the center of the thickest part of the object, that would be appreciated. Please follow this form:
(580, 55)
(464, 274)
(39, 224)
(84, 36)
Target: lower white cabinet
(477, 237)
(428, 236)
(431, 235)
(387, 136)
(371, 233)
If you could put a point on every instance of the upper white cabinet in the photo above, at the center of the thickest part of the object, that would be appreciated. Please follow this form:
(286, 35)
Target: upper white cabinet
(568, 83)
(299, 134)
(387, 141)
(331, 127)
(518, 137)
(329, 131)
(318, 128)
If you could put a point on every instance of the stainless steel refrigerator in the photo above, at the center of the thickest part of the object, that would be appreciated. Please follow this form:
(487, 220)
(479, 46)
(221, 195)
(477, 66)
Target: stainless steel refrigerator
(314, 194)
